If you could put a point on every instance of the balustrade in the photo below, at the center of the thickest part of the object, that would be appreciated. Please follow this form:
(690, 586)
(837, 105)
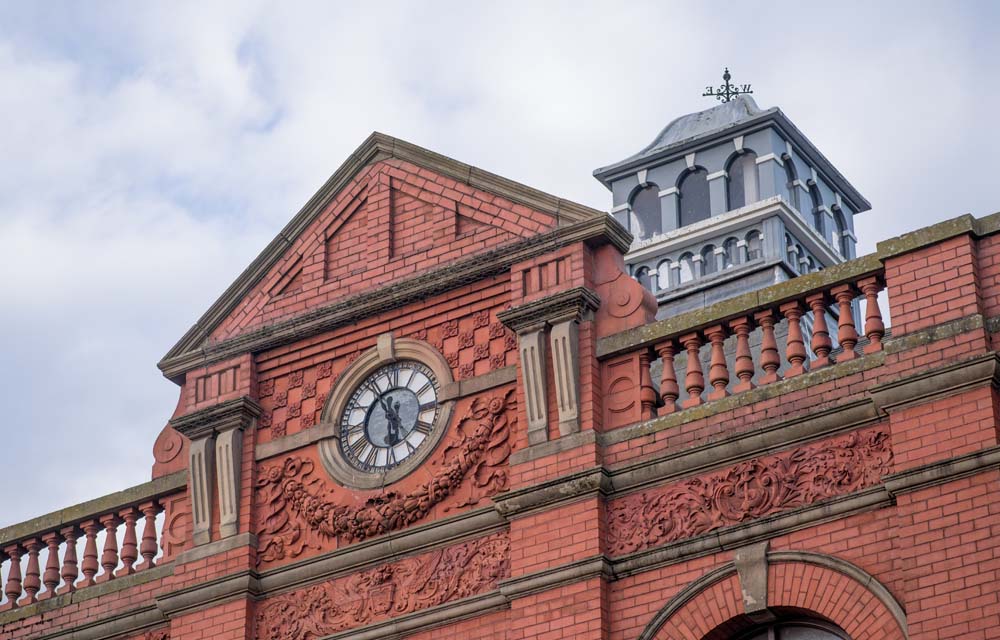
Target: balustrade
(727, 340)
(42, 564)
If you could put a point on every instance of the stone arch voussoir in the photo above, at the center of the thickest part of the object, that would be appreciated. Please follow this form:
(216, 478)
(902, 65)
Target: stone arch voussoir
(829, 587)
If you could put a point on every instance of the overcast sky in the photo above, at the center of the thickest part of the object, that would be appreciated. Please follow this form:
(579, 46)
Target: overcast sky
(150, 150)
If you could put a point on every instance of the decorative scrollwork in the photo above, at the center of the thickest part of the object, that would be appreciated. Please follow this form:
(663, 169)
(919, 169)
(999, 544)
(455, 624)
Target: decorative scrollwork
(749, 490)
(295, 513)
(387, 590)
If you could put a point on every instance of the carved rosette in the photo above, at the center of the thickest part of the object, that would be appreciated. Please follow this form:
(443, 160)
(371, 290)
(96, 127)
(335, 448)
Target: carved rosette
(386, 591)
(749, 490)
(297, 512)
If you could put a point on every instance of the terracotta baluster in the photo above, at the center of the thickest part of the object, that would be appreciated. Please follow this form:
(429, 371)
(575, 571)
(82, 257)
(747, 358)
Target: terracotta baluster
(70, 571)
(669, 391)
(821, 343)
(130, 548)
(647, 394)
(874, 327)
(148, 547)
(89, 566)
(769, 358)
(795, 349)
(32, 573)
(744, 359)
(109, 558)
(51, 576)
(846, 333)
(13, 587)
(694, 379)
(718, 372)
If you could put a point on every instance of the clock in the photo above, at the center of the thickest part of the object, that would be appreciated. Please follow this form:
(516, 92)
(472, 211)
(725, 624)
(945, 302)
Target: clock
(386, 414)
(389, 417)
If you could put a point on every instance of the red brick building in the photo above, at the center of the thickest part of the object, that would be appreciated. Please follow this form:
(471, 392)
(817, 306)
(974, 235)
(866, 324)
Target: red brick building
(437, 406)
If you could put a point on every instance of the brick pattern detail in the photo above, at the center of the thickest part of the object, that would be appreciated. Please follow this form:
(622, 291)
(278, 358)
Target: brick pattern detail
(392, 221)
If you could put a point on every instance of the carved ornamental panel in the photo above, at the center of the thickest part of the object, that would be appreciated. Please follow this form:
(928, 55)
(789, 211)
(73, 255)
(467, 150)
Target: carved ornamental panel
(386, 591)
(749, 490)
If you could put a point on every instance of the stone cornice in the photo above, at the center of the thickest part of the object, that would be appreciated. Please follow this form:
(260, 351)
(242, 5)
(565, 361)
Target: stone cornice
(232, 414)
(517, 502)
(754, 443)
(113, 502)
(410, 541)
(935, 383)
(747, 398)
(426, 619)
(942, 471)
(211, 592)
(594, 231)
(521, 586)
(573, 304)
(124, 623)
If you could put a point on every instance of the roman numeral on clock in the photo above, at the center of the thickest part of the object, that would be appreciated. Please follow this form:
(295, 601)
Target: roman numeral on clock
(423, 427)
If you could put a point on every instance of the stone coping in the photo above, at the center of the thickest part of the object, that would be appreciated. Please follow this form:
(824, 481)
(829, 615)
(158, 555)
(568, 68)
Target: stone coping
(796, 288)
(133, 496)
(377, 147)
(597, 230)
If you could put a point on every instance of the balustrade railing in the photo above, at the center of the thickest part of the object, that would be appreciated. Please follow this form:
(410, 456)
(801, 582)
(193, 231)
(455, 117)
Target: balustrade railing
(799, 307)
(93, 543)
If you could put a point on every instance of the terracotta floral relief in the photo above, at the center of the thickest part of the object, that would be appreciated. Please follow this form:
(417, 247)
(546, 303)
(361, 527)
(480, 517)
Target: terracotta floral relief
(386, 591)
(749, 490)
(296, 509)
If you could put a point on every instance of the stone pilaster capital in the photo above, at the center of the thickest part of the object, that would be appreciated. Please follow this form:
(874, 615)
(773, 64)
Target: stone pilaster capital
(574, 304)
(225, 416)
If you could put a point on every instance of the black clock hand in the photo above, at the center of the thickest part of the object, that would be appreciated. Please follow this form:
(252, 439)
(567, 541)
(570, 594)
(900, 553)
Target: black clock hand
(392, 430)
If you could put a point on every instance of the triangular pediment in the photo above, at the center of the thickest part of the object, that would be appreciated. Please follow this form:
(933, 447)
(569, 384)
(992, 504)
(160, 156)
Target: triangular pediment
(391, 211)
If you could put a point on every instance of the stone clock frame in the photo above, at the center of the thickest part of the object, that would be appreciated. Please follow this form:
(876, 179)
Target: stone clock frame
(386, 351)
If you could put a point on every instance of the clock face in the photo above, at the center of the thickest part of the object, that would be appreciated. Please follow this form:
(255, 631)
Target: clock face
(389, 416)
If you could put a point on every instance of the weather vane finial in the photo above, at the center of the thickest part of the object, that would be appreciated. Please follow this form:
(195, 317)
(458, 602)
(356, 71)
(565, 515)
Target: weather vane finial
(726, 91)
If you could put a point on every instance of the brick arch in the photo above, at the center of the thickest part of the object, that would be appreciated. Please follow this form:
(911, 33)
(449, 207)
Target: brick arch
(830, 588)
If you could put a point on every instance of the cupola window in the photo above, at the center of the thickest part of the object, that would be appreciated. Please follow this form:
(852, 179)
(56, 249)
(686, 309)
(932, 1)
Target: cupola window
(646, 209)
(817, 209)
(792, 177)
(743, 184)
(841, 241)
(754, 248)
(694, 199)
(644, 278)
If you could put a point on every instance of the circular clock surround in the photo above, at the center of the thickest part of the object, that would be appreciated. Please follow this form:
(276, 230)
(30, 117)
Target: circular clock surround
(388, 410)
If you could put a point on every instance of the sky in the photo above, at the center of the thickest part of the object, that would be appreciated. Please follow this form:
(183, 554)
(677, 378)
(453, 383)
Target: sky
(150, 150)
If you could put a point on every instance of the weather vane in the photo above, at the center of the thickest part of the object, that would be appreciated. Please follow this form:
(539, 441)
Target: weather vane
(726, 91)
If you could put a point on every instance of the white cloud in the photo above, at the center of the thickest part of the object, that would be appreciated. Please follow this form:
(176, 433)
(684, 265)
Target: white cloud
(149, 152)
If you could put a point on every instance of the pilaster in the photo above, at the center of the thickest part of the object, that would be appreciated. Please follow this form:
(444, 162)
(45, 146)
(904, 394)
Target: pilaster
(215, 454)
(554, 319)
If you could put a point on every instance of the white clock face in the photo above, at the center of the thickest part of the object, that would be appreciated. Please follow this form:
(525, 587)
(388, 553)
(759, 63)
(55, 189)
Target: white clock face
(389, 416)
